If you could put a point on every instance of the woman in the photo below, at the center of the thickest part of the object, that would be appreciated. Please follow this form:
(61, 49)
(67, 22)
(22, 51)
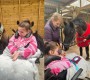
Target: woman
(52, 29)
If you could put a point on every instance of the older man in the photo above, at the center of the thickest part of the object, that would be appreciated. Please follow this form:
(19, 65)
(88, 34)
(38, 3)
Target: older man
(52, 29)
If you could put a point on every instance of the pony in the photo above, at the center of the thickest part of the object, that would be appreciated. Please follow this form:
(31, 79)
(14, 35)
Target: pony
(69, 35)
(81, 30)
(3, 39)
(21, 69)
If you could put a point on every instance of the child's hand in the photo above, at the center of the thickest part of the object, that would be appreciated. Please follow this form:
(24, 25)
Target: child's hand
(15, 56)
(63, 53)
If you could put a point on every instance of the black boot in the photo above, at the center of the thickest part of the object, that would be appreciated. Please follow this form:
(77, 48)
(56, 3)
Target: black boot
(80, 49)
(87, 52)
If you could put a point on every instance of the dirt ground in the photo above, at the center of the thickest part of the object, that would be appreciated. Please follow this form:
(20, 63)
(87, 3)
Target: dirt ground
(74, 49)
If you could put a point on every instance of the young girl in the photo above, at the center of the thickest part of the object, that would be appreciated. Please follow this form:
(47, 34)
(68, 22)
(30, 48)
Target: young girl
(72, 62)
(56, 66)
(23, 43)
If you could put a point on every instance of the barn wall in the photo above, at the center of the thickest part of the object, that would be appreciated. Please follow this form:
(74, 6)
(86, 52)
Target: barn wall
(13, 10)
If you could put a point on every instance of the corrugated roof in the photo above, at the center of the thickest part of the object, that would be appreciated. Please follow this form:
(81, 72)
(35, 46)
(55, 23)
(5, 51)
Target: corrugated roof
(52, 6)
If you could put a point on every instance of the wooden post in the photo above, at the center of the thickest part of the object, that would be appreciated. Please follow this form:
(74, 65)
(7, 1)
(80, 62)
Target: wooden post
(61, 29)
(1, 12)
(58, 9)
(38, 22)
(19, 11)
(74, 12)
(80, 3)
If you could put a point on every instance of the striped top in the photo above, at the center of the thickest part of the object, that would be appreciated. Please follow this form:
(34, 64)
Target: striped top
(20, 43)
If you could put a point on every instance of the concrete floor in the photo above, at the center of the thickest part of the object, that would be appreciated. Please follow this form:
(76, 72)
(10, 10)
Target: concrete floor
(75, 49)
(41, 68)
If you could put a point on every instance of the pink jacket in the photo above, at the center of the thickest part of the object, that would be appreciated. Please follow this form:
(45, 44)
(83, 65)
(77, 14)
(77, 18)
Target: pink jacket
(58, 66)
(20, 43)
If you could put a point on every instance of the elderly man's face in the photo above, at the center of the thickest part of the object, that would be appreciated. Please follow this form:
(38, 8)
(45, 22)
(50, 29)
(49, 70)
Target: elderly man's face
(56, 23)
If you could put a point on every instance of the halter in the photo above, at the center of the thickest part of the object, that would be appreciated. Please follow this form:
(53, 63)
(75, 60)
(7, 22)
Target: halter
(70, 42)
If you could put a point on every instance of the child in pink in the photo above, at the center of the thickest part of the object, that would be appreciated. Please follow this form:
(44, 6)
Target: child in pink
(57, 66)
(23, 43)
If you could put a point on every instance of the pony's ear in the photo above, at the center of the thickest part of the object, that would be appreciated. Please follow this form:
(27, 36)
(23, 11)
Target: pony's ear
(4, 30)
(71, 24)
(14, 30)
(35, 33)
(65, 23)
(18, 22)
(32, 23)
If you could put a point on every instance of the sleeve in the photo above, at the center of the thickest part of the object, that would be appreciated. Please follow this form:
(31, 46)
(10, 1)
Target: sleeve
(30, 50)
(11, 46)
(66, 63)
(47, 34)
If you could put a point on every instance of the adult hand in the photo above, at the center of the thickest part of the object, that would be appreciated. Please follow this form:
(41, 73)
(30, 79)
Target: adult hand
(15, 56)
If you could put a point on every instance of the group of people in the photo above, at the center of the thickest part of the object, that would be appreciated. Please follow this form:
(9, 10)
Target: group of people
(24, 44)
(53, 47)
(52, 32)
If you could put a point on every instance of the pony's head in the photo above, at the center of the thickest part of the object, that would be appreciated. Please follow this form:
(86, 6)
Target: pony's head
(80, 25)
(77, 25)
(69, 33)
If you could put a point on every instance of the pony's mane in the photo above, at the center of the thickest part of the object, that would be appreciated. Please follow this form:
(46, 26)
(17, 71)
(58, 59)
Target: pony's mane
(80, 22)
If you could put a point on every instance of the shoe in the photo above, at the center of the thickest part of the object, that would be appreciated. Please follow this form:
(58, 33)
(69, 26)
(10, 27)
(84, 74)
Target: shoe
(87, 58)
